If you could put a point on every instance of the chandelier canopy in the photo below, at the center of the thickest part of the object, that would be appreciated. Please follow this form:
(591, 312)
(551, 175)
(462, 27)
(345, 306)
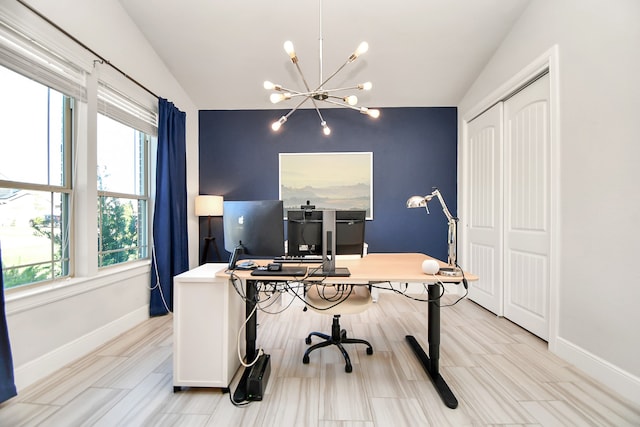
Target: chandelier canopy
(320, 93)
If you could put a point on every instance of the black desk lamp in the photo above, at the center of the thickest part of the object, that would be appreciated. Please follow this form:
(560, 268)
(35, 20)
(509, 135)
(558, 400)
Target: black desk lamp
(209, 206)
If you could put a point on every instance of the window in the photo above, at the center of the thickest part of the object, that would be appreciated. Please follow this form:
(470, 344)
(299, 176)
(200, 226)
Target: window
(52, 90)
(122, 192)
(35, 145)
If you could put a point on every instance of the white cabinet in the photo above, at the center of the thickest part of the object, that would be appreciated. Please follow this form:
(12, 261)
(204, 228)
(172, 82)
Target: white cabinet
(207, 315)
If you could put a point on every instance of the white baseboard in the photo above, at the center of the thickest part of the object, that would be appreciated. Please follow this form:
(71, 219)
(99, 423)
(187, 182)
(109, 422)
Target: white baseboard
(620, 381)
(39, 368)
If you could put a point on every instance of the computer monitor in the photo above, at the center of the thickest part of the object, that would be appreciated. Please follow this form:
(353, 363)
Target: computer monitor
(254, 227)
(350, 232)
(304, 232)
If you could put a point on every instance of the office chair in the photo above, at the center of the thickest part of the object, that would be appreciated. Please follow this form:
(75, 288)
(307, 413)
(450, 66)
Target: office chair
(336, 300)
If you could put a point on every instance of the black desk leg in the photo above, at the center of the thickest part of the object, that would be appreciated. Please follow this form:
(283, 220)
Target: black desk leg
(431, 363)
(240, 394)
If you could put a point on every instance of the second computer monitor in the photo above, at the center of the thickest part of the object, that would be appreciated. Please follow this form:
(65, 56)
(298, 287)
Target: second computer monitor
(350, 232)
(304, 232)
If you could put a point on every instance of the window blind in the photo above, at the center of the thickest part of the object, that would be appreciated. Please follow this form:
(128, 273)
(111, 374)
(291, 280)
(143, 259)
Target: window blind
(118, 106)
(29, 46)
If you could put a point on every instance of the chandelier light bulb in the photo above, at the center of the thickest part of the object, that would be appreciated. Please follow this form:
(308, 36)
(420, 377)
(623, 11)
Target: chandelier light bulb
(362, 48)
(288, 47)
(371, 112)
(277, 97)
(276, 125)
(351, 99)
(268, 85)
(325, 128)
(365, 86)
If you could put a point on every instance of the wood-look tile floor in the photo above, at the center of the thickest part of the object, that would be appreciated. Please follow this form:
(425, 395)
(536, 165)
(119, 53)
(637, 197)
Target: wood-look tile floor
(501, 375)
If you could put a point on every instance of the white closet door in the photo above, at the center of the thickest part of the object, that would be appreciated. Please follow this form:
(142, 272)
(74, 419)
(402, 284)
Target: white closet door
(527, 208)
(485, 224)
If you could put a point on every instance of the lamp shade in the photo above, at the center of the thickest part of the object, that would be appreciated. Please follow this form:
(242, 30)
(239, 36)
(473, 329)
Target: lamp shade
(417, 202)
(209, 205)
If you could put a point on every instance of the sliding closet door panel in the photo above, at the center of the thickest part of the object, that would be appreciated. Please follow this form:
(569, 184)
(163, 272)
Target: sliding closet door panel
(485, 223)
(527, 208)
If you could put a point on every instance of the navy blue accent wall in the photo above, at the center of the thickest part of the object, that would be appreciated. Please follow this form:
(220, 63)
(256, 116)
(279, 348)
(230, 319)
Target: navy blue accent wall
(414, 149)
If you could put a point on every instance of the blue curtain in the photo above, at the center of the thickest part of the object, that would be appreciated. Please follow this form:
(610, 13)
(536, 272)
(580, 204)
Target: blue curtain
(7, 383)
(170, 252)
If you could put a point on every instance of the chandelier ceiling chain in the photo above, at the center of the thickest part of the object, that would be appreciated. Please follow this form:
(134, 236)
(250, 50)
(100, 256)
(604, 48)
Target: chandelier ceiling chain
(319, 93)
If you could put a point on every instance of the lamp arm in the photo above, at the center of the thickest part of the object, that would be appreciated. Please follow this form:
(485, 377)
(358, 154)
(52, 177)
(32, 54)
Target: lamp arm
(445, 209)
(452, 232)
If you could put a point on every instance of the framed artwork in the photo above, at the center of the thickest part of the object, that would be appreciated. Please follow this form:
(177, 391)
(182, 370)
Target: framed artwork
(327, 180)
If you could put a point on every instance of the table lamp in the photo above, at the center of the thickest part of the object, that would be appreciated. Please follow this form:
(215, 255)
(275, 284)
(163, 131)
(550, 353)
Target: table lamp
(209, 206)
(421, 202)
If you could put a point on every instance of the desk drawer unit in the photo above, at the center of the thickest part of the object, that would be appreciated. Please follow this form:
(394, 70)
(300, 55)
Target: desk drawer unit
(207, 315)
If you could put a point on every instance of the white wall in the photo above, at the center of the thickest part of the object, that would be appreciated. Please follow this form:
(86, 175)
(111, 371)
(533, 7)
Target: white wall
(599, 103)
(49, 330)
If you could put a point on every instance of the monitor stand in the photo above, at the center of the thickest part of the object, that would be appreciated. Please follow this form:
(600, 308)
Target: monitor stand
(329, 249)
(335, 272)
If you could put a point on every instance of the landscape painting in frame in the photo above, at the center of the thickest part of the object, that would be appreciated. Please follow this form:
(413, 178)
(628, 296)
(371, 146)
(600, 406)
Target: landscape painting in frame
(327, 180)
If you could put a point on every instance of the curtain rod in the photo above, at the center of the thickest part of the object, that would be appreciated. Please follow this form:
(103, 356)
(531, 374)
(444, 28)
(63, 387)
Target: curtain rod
(104, 60)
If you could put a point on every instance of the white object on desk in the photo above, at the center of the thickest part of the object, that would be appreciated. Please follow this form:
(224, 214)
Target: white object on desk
(207, 315)
(430, 266)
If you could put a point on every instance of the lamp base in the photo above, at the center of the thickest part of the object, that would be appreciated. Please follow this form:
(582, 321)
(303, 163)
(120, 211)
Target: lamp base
(207, 241)
(450, 271)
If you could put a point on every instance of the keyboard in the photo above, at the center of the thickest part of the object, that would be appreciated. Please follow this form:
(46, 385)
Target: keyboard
(285, 271)
(306, 259)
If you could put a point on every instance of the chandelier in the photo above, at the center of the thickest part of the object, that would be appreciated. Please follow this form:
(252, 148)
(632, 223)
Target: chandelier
(320, 93)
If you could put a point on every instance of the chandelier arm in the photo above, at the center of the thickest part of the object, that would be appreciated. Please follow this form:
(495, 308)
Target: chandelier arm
(300, 104)
(292, 91)
(338, 97)
(318, 111)
(310, 94)
(342, 105)
(306, 85)
(338, 89)
(304, 80)
(334, 73)
(293, 110)
(317, 92)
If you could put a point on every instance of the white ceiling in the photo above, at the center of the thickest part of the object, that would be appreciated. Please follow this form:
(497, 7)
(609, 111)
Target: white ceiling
(421, 52)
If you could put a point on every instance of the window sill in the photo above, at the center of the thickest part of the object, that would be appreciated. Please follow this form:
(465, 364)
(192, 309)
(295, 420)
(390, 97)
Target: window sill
(30, 297)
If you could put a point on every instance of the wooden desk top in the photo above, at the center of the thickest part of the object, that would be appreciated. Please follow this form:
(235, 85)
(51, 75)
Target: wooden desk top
(375, 267)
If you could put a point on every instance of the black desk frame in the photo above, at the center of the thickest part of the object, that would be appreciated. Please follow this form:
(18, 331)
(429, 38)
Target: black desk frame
(251, 334)
(430, 363)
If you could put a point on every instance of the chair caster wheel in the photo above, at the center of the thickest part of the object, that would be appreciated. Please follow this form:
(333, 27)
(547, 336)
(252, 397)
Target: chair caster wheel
(369, 351)
(307, 340)
(348, 368)
(305, 359)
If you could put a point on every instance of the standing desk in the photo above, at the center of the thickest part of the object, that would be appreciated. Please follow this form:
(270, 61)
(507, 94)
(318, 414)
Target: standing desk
(371, 269)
